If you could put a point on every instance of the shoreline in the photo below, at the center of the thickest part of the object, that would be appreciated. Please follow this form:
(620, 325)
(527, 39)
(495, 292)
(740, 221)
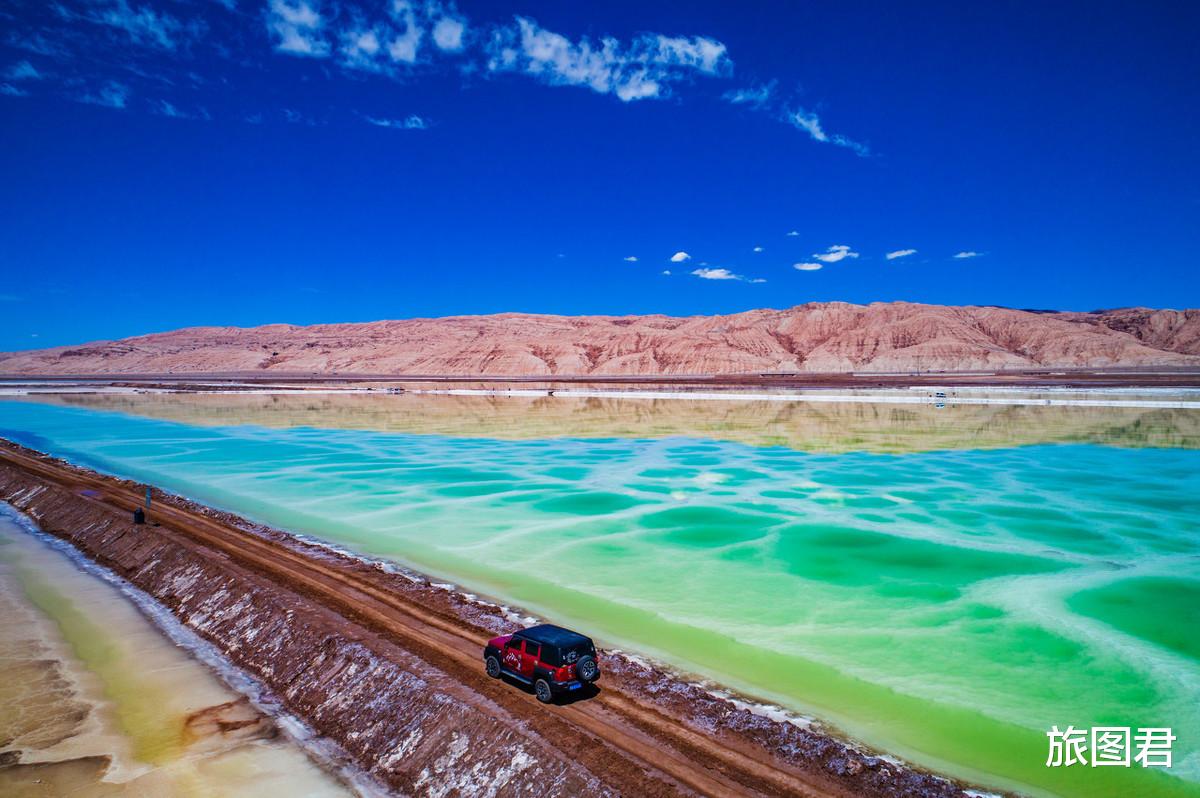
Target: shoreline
(830, 761)
(1181, 397)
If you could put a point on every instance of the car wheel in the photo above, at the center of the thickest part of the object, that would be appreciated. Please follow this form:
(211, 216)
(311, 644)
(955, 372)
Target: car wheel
(493, 667)
(587, 669)
(542, 688)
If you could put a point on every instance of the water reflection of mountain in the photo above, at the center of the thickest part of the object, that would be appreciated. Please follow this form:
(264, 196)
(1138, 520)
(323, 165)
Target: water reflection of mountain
(799, 425)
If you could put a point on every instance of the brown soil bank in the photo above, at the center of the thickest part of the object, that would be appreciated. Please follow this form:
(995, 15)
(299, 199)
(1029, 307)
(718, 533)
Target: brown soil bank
(388, 666)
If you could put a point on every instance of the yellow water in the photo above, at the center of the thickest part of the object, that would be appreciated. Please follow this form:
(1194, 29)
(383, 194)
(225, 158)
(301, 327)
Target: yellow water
(97, 699)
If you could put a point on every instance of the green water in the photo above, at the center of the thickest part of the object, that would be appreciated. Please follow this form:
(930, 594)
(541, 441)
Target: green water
(947, 606)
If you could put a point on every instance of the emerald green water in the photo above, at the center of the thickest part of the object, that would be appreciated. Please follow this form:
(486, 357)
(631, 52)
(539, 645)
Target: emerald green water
(947, 606)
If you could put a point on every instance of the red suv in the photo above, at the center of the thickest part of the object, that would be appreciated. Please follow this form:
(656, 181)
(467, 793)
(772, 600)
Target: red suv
(552, 659)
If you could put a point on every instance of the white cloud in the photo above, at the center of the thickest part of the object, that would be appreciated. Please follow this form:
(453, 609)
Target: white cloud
(302, 27)
(639, 70)
(411, 122)
(756, 97)
(715, 274)
(811, 124)
(12, 91)
(836, 253)
(724, 274)
(807, 267)
(405, 46)
(793, 233)
(900, 253)
(757, 249)
(680, 257)
(298, 27)
(22, 70)
(631, 259)
(967, 254)
(110, 95)
(697, 52)
(667, 272)
(448, 34)
(360, 48)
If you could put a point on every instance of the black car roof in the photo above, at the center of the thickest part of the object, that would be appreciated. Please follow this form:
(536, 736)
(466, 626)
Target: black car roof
(551, 635)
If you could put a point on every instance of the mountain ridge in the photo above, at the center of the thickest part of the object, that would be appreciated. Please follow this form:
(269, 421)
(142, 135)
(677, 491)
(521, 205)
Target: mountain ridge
(817, 337)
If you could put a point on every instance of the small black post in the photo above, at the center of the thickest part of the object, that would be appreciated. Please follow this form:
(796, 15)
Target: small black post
(139, 516)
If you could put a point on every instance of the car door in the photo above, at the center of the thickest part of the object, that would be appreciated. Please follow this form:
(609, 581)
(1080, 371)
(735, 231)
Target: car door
(512, 657)
(530, 658)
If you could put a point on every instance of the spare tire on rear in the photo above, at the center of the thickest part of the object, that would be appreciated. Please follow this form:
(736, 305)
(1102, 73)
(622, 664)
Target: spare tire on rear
(587, 669)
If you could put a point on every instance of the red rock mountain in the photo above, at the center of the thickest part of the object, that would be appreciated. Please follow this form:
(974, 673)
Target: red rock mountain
(817, 337)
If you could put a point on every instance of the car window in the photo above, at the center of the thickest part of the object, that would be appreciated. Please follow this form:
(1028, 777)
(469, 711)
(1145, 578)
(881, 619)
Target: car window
(576, 651)
(513, 642)
(532, 649)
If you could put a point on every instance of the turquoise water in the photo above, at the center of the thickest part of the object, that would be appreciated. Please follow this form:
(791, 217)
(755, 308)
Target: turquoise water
(949, 606)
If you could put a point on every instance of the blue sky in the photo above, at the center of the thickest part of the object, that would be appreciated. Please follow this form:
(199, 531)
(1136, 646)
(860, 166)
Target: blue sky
(240, 162)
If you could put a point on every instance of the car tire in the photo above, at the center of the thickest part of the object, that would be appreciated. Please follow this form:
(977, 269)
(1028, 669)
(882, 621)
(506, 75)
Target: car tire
(492, 666)
(587, 669)
(541, 689)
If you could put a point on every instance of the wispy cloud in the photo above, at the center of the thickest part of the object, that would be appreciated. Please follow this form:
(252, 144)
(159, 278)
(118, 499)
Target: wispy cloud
(641, 69)
(757, 249)
(110, 95)
(144, 25)
(296, 118)
(756, 97)
(400, 39)
(808, 267)
(36, 43)
(724, 274)
(12, 91)
(900, 253)
(22, 70)
(793, 233)
(810, 123)
(411, 122)
(667, 272)
(967, 254)
(631, 259)
(837, 252)
(680, 257)
(766, 98)
(298, 28)
(172, 111)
